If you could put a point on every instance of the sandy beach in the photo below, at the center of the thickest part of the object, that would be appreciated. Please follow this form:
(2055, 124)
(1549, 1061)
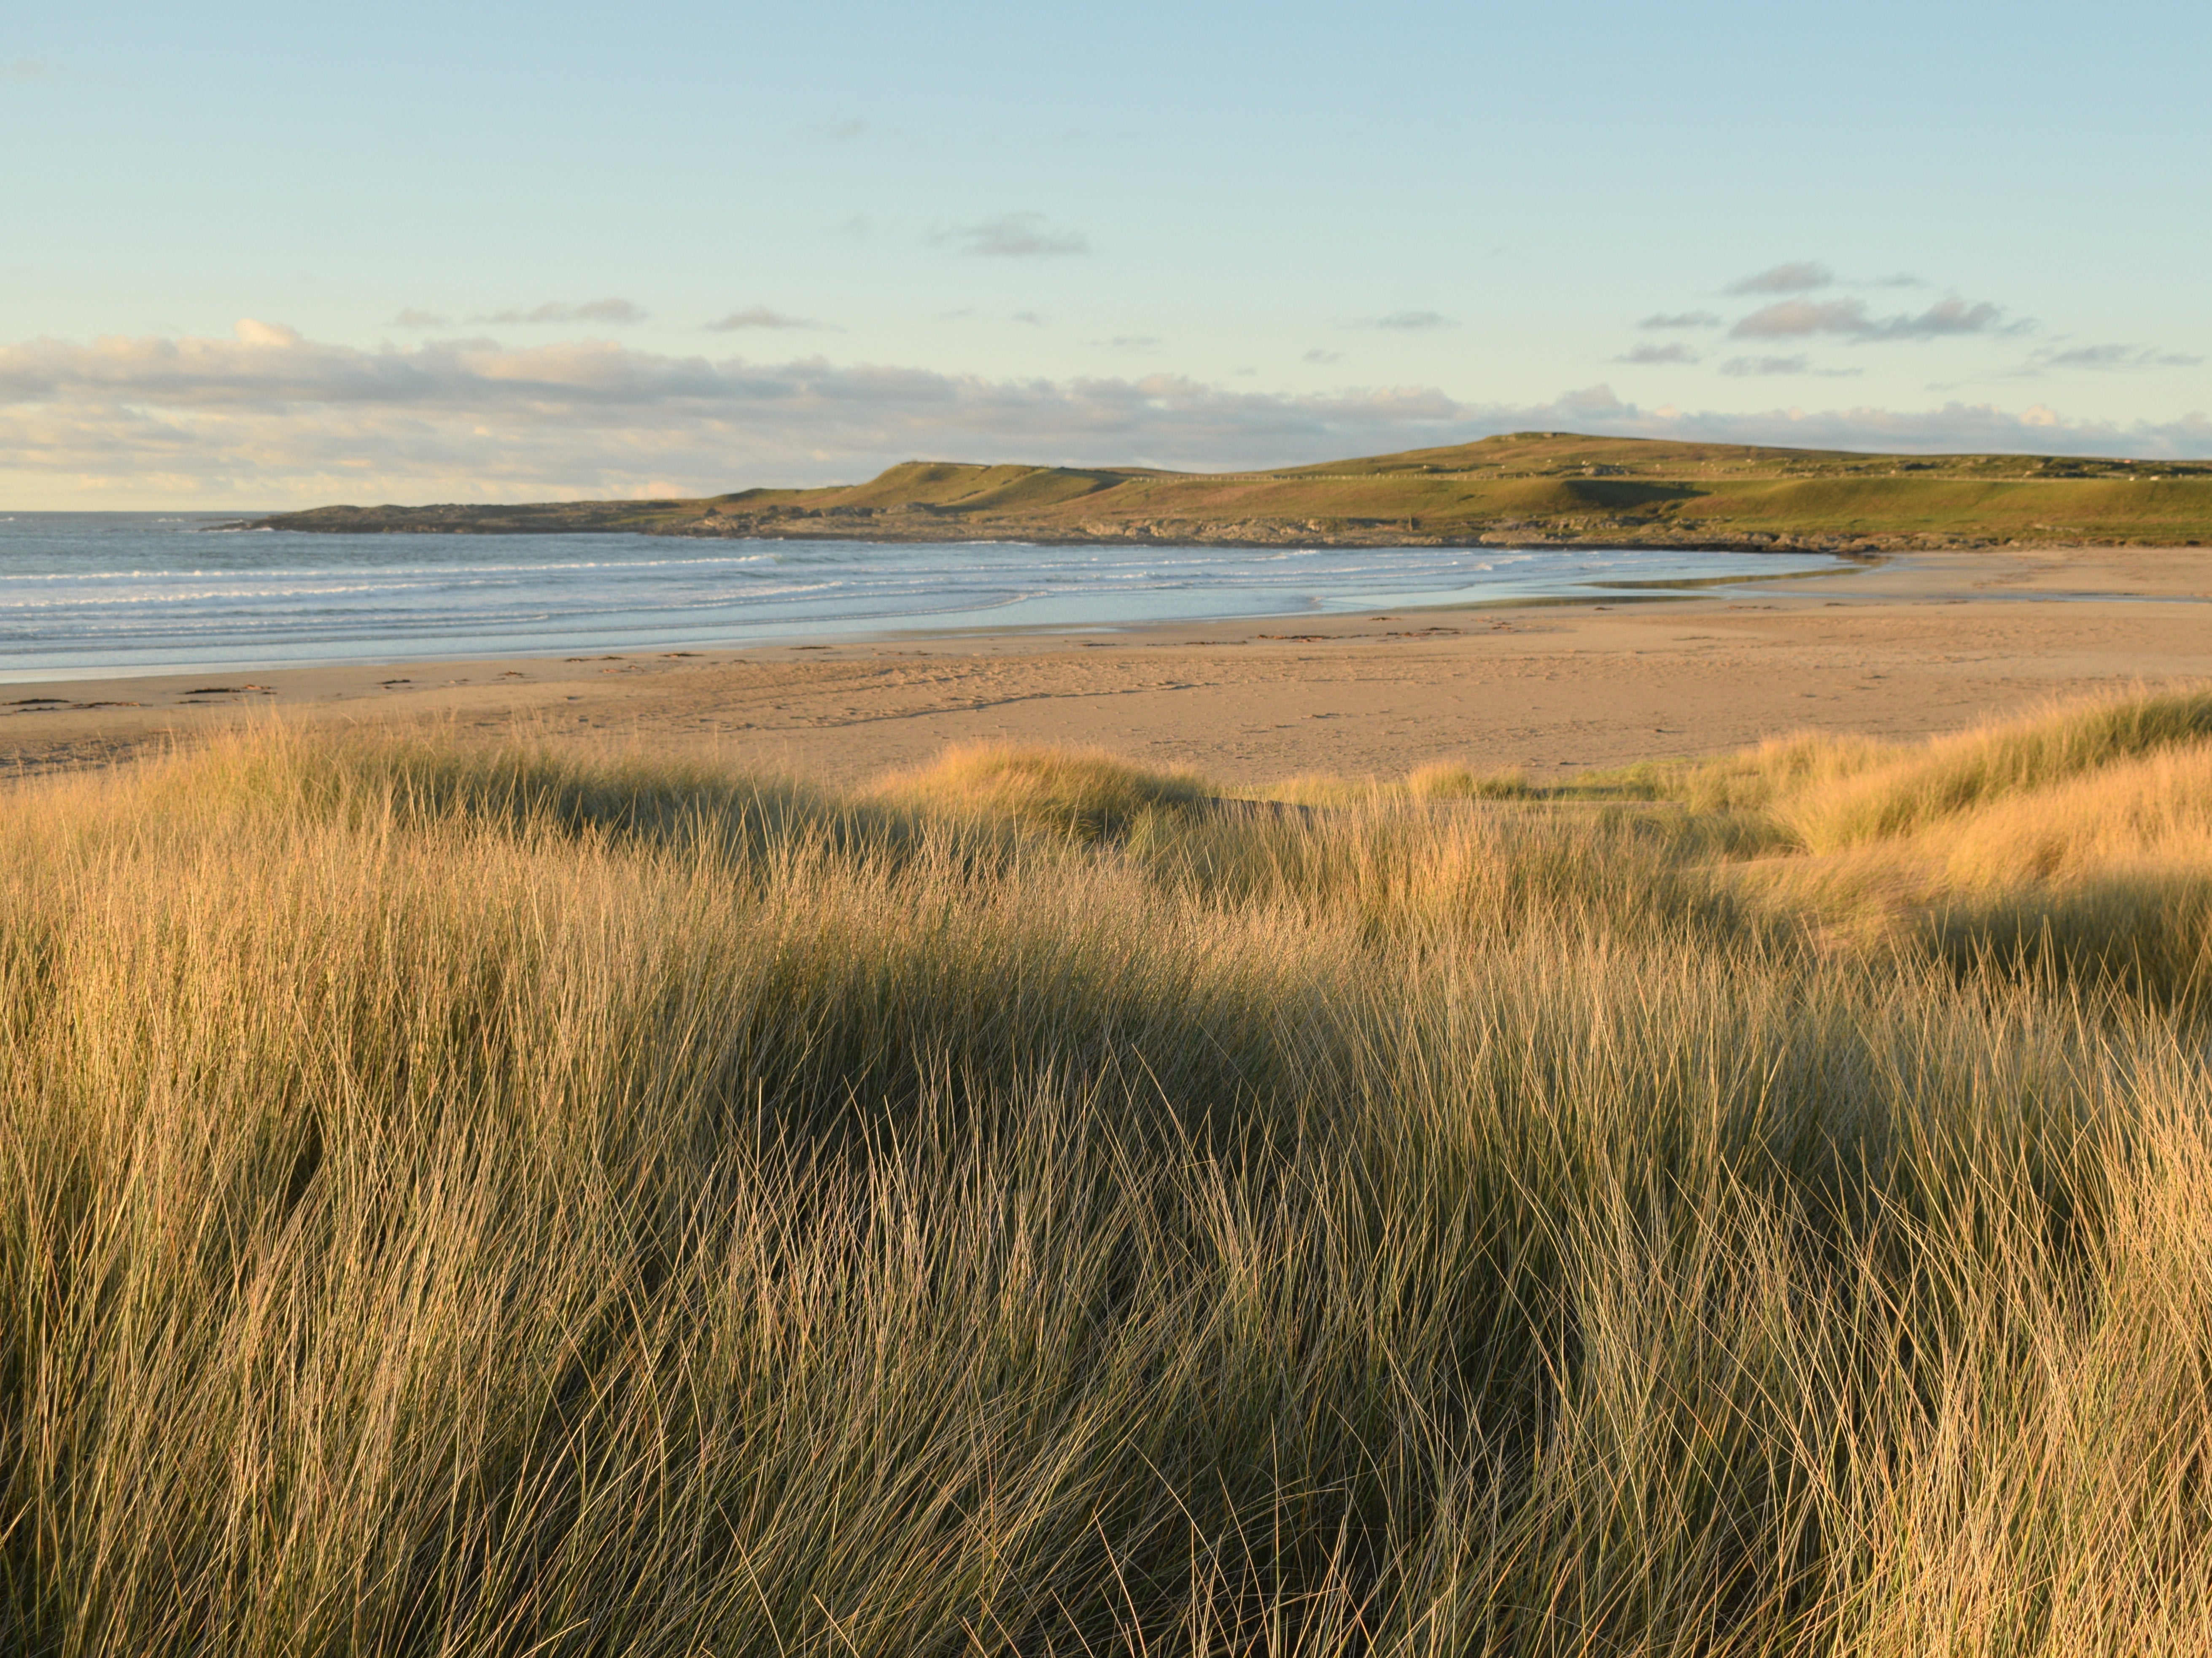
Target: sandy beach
(1922, 642)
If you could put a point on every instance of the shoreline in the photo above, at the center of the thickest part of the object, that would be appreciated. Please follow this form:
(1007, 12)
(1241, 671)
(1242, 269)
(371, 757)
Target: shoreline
(1917, 643)
(358, 606)
(1655, 590)
(1852, 548)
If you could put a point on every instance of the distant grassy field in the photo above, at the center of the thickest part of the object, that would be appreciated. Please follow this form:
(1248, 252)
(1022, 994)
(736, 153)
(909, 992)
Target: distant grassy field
(466, 1199)
(1530, 487)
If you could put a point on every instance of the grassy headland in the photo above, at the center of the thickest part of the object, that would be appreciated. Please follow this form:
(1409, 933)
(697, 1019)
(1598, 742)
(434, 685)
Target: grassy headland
(465, 1199)
(1529, 488)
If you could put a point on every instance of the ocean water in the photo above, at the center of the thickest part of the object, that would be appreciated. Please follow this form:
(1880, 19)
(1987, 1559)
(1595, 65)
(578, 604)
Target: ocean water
(142, 593)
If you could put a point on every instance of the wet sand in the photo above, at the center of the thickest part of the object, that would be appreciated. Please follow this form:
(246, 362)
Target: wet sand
(1924, 642)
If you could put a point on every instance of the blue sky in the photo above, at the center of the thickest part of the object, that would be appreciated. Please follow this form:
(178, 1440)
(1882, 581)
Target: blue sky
(261, 254)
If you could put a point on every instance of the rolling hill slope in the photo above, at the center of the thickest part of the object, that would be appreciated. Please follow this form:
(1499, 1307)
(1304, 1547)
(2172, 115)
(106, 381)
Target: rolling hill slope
(1526, 488)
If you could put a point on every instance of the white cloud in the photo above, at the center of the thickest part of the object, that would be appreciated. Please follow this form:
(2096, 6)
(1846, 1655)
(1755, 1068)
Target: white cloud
(1681, 319)
(1850, 319)
(759, 316)
(1956, 428)
(1011, 236)
(266, 335)
(2116, 359)
(1411, 320)
(612, 309)
(271, 418)
(1596, 402)
(25, 72)
(1795, 319)
(1650, 353)
(1944, 317)
(1798, 277)
(1740, 366)
(413, 316)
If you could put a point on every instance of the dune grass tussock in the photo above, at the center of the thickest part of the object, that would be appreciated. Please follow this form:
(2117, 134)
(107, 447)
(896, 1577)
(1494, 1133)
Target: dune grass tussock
(1828, 792)
(1886, 795)
(1446, 779)
(1442, 780)
(2080, 838)
(1080, 791)
(472, 1200)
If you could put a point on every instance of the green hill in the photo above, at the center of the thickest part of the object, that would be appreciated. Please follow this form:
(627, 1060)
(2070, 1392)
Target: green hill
(1526, 488)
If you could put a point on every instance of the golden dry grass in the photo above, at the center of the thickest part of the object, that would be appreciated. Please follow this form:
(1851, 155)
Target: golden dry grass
(473, 1200)
(1083, 792)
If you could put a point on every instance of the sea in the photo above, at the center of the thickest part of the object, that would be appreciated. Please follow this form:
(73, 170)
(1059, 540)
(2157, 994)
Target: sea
(101, 593)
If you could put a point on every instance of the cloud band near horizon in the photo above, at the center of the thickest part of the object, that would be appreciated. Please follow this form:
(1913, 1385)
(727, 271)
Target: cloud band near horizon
(270, 418)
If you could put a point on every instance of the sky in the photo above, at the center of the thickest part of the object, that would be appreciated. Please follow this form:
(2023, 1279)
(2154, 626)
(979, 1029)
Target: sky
(267, 255)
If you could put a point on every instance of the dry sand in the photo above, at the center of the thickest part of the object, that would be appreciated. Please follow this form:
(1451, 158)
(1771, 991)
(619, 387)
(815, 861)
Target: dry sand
(1923, 643)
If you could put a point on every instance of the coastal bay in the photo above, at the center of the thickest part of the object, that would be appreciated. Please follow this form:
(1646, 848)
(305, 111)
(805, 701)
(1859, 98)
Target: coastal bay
(1918, 643)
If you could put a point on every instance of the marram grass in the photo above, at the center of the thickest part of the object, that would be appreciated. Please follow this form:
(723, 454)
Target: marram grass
(465, 1201)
